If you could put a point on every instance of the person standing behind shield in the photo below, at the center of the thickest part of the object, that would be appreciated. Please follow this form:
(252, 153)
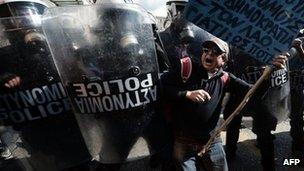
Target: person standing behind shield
(49, 135)
(297, 98)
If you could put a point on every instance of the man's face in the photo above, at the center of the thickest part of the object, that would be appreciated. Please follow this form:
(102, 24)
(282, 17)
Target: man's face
(212, 58)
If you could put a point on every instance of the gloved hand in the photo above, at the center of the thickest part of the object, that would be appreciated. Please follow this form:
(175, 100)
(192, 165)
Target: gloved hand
(298, 44)
(9, 80)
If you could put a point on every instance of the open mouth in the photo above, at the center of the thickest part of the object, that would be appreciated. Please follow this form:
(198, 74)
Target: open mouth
(208, 61)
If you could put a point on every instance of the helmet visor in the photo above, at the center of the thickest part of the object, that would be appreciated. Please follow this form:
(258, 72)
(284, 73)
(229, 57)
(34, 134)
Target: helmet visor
(21, 15)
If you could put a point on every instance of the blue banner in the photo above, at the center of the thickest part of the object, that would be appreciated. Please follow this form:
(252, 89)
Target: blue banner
(261, 28)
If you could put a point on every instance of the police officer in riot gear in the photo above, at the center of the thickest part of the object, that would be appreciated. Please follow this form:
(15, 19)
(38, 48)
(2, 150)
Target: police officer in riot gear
(22, 32)
(40, 111)
(297, 95)
(265, 117)
(181, 38)
(122, 126)
(174, 10)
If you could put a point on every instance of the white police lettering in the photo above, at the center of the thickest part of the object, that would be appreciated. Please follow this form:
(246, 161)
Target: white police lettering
(119, 85)
(106, 88)
(132, 81)
(114, 95)
(38, 96)
(129, 102)
(147, 82)
(33, 104)
(54, 91)
(279, 77)
(81, 90)
(98, 89)
(290, 162)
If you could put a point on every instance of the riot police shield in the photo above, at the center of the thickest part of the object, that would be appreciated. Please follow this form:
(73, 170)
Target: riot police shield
(107, 61)
(275, 99)
(181, 35)
(45, 132)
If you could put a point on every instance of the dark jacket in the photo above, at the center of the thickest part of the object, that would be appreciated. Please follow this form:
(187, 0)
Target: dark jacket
(195, 119)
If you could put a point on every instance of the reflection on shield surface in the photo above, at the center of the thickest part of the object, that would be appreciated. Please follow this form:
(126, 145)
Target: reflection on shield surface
(106, 59)
(43, 132)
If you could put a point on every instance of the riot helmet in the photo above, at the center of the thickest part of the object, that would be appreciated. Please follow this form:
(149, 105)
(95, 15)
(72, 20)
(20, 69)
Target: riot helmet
(123, 48)
(21, 21)
(22, 13)
(182, 29)
(121, 23)
(175, 7)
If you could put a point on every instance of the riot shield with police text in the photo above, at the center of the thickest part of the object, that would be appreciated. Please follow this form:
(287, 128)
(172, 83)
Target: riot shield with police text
(274, 97)
(107, 61)
(45, 134)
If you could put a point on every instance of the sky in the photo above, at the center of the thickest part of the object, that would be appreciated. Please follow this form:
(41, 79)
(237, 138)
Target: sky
(156, 7)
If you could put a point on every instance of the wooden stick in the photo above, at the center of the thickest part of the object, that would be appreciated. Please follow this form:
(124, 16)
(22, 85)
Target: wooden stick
(249, 94)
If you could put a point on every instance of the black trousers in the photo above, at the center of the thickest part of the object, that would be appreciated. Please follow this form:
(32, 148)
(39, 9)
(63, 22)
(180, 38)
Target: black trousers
(296, 119)
(263, 124)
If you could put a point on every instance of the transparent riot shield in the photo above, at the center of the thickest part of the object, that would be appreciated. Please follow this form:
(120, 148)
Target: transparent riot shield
(274, 97)
(277, 98)
(107, 61)
(42, 132)
(183, 34)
